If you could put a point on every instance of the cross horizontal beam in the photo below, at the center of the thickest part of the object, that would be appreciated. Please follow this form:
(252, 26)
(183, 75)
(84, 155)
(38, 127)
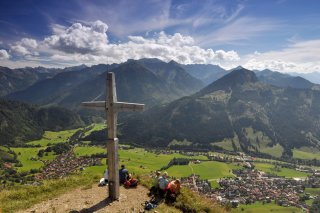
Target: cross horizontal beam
(128, 107)
(118, 106)
(94, 105)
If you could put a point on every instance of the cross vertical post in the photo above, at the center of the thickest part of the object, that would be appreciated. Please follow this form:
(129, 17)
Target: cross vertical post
(112, 107)
(112, 145)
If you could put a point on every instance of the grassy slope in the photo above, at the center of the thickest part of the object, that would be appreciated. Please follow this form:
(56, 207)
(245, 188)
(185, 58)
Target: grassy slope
(53, 137)
(96, 127)
(275, 150)
(23, 197)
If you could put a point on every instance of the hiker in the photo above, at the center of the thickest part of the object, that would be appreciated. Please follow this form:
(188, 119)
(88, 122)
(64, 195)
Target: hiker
(155, 184)
(123, 174)
(163, 182)
(131, 182)
(105, 179)
(173, 189)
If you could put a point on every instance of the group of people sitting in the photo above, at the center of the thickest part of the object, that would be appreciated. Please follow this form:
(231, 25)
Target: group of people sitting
(165, 188)
(125, 178)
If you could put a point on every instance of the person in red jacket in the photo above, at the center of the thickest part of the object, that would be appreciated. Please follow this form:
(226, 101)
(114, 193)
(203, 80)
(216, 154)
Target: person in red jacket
(173, 189)
(131, 182)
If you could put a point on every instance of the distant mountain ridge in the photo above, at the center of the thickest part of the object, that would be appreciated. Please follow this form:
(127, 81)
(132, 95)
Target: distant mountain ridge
(229, 108)
(137, 80)
(283, 80)
(51, 91)
(12, 80)
(207, 73)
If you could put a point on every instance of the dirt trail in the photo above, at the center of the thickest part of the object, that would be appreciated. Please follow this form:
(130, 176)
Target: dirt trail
(94, 200)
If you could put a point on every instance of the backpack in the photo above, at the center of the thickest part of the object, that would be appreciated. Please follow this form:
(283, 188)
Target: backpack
(149, 206)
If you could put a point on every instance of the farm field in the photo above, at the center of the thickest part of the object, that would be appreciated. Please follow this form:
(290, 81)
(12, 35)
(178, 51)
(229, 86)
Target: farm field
(24, 156)
(312, 191)
(289, 173)
(140, 161)
(265, 208)
(207, 170)
(88, 150)
(305, 155)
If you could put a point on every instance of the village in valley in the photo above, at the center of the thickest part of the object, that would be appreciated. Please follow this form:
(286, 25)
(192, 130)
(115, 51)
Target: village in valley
(235, 180)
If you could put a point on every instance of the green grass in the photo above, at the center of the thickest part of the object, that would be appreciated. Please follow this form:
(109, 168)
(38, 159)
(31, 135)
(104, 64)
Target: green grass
(50, 156)
(88, 150)
(140, 161)
(96, 127)
(309, 202)
(53, 137)
(227, 143)
(289, 173)
(312, 191)
(305, 155)
(4, 148)
(189, 201)
(275, 150)
(25, 158)
(210, 170)
(4, 154)
(23, 197)
(266, 208)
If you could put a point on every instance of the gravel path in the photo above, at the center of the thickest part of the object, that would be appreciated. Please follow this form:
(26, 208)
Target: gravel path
(94, 200)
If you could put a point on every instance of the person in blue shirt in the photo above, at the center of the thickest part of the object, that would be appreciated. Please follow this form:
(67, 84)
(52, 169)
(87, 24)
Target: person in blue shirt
(163, 182)
(123, 174)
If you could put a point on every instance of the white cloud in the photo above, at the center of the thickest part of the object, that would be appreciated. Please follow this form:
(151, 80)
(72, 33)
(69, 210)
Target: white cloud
(165, 47)
(300, 56)
(19, 50)
(4, 55)
(25, 46)
(27, 42)
(88, 43)
(79, 38)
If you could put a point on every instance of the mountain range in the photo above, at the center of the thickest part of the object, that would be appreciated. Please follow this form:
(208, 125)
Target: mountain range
(232, 108)
(203, 104)
(139, 81)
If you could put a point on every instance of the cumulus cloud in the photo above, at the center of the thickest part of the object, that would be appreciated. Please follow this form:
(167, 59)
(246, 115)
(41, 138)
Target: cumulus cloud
(79, 38)
(4, 54)
(88, 43)
(28, 42)
(299, 56)
(25, 46)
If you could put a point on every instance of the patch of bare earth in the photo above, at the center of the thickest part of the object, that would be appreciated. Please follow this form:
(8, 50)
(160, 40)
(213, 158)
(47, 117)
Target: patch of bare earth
(94, 200)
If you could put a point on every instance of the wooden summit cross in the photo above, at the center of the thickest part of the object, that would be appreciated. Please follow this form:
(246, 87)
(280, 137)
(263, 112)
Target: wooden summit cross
(112, 107)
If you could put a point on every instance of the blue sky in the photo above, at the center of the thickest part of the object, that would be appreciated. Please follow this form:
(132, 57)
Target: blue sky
(282, 35)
